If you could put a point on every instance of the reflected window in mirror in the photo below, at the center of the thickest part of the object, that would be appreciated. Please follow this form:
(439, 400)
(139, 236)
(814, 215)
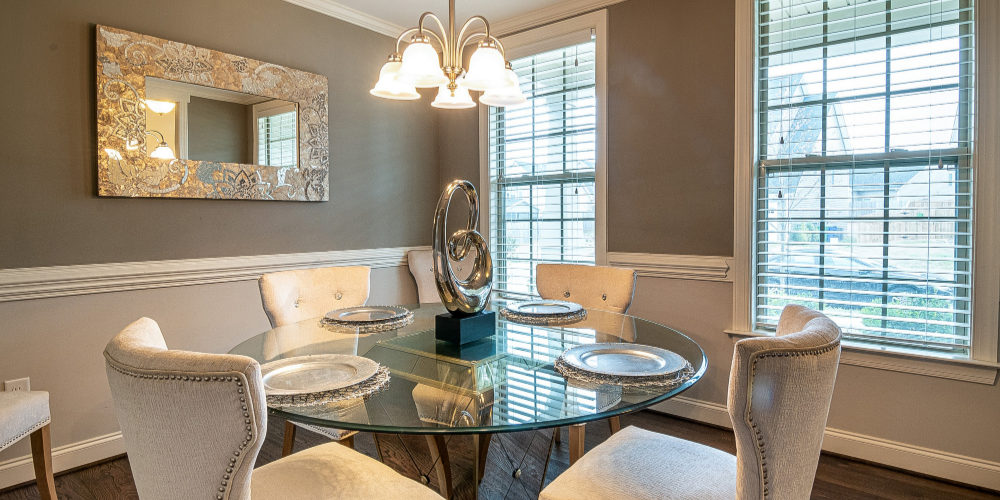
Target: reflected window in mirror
(276, 138)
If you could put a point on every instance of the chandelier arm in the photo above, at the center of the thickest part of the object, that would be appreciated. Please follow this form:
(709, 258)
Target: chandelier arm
(442, 39)
(402, 35)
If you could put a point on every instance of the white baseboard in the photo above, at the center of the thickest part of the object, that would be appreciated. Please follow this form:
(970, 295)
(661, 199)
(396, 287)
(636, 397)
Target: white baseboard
(963, 469)
(62, 281)
(20, 470)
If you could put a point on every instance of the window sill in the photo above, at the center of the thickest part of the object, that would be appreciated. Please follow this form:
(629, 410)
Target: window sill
(966, 370)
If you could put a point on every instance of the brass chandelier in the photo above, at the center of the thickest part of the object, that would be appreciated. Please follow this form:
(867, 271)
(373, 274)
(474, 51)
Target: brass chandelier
(419, 66)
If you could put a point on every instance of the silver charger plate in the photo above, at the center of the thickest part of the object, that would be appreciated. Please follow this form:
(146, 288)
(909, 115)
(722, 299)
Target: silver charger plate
(366, 314)
(624, 360)
(544, 308)
(315, 373)
(543, 312)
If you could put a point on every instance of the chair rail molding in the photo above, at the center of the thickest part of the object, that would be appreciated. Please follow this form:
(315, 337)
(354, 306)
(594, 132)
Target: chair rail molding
(685, 267)
(62, 281)
(936, 463)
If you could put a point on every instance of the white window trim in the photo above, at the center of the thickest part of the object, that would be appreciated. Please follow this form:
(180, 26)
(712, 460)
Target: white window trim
(266, 109)
(536, 41)
(986, 209)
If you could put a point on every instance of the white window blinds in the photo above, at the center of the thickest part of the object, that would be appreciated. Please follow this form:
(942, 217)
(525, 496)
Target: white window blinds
(864, 190)
(542, 167)
(276, 143)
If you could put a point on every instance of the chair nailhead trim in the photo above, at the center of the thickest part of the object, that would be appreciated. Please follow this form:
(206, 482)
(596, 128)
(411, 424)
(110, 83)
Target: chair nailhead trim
(753, 371)
(25, 433)
(223, 493)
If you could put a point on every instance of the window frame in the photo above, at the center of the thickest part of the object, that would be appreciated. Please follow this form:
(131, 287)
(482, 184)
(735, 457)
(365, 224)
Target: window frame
(985, 212)
(544, 39)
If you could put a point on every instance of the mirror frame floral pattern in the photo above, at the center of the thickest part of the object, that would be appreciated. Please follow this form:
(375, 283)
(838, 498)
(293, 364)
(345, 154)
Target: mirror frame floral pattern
(125, 59)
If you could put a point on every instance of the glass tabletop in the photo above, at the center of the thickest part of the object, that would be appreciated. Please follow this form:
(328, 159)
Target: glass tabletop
(503, 383)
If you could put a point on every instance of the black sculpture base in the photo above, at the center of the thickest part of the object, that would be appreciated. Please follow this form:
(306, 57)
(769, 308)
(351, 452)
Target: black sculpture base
(466, 329)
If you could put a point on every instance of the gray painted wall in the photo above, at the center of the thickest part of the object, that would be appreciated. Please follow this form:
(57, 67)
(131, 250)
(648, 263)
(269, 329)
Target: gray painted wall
(219, 131)
(383, 154)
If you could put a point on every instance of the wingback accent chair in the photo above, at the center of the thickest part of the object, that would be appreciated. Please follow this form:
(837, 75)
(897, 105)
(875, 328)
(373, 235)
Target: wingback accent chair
(27, 414)
(779, 398)
(193, 424)
(292, 296)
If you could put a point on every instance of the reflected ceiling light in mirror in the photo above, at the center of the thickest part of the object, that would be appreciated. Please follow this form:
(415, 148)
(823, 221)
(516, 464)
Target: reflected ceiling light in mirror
(507, 96)
(420, 66)
(390, 88)
(159, 107)
(162, 152)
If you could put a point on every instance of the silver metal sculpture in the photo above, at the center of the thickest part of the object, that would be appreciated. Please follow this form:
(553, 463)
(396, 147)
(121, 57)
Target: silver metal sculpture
(469, 296)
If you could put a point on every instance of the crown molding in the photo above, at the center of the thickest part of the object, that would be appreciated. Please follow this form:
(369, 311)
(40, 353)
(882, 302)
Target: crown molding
(355, 17)
(62, 281)
(546, 15)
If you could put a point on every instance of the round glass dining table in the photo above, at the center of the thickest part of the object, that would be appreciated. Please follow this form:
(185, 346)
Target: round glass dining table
(503, 383)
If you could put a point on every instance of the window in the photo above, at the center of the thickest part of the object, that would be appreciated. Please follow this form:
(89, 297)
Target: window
(864, 190)
(543, 162)
(276, 135)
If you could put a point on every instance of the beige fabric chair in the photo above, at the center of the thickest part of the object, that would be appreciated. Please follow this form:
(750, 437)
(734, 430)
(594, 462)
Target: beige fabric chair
(593, 287)
(292, 296)
(193, 424)
(779, 397)
(421, 265)
(27, 414)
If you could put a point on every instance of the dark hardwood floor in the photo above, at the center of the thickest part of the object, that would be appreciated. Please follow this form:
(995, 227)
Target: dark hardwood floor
(836, 478)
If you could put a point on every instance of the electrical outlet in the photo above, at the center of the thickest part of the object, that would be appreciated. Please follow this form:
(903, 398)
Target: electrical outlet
(21, 384)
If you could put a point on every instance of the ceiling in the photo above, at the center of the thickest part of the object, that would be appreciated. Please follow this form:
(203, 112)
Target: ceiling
(405, 13)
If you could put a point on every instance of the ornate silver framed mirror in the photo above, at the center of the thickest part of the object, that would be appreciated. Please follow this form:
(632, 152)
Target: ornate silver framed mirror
(179, 121)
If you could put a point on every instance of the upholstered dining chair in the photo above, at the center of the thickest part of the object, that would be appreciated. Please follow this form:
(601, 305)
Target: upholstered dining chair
(27, 414)
(194, 423)
(292, 296)
(779, 398)
(593, 287)
(421, 265)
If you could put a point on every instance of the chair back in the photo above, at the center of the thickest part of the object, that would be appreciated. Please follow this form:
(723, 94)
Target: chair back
(192, 423)
(421, 264)
(293, 296)
(593, 287)
(779, 398)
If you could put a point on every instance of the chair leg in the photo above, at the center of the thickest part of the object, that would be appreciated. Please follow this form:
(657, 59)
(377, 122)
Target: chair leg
(558, 434)
(41, 455)
(348, 441)
(439, 453)
(289, 442)
(378, 448)
(576, 439)
(615, 423)
(482, 443)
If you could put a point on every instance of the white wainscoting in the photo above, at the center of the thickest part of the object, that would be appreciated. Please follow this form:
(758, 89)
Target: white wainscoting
(685, 267)
(935, 463)
(61, 281)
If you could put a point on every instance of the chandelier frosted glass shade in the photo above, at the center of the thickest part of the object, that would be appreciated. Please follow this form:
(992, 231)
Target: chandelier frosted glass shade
(388, 87)
(506, 96)
(457, 99)
(421, 66)
(487, 69)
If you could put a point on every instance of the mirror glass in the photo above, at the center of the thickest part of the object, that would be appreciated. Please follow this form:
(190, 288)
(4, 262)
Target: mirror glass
(194, 122)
